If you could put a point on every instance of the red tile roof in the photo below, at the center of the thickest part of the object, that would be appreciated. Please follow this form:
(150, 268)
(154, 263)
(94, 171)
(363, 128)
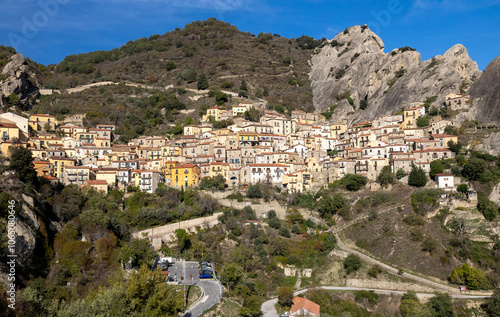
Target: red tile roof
(302, 303)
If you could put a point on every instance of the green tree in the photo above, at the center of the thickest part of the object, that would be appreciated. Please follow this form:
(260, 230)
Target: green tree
(417, 177)
(436, 168)
(386, 176)
(492, 306)
(139, 251)
(463, 188)
(274, 223)
(189, 75)
(455, 147)
(183, 241)
(473, 278)
(232, 274)
(202, 82)
(13, 99)
(252, 114)
(441, 306)
(253, 191)
(217, 182)
(188, 121)
(400, 173)
(474, 168)
(331, 205)
(423, 121)
(412, 307)
(352, 263)
(177, 129)
(243, 92)
(285, 232)
(285, 296)
(353, 182)
(487, 207)
(21, 161)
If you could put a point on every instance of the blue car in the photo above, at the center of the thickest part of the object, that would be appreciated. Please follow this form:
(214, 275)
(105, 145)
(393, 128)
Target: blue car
(206, 274)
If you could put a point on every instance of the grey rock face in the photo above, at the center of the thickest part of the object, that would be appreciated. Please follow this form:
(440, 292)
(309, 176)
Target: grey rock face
(486, 92)
(386, 81)
(19, 78)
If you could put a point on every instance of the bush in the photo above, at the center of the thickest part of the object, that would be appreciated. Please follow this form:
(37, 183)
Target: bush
(429, 245)
(353, 182)
(441, 305)
(436, 168)
(386, 176)
(400, 173)
(329, 206)
(253, 191)
(487, 207)
(271, 214)
(274, 223)
(285, 296)
(352, 263)
(296, 229)
(374, 271)
(369, 296)
(463, 188)
(217, 183)
(285, 232)
(236, 196)
(473, 278)
(417, 177)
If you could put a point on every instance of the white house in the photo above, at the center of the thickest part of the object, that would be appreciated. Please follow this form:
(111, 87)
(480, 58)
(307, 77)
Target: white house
(150, 179)
(445, 181)
(268, 172)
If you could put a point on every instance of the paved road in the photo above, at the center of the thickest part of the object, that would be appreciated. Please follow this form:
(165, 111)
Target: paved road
(268, 309)
(210, 288)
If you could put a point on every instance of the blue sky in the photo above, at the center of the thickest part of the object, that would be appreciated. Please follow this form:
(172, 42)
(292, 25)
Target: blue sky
(49, 30)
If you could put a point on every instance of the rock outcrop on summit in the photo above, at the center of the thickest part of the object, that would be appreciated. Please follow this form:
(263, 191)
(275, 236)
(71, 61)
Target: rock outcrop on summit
(486, 92)
(18, 76)
(354, 64)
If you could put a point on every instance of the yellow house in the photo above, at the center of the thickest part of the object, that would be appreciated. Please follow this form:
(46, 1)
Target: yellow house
(10, 131)
(39, 121)
(444, 139)
(337, 129)
(214, 112)
(7, 146)
(43, 168)
(97, 184)
(171, 150)
(239, 110)
(109, 176)
(59, 164)
(411, 115)
(219, 168)
(247, 136)
(184, 175)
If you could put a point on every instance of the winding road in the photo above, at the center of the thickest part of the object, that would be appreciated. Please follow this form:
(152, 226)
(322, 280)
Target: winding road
(269, 310)
(211, 289)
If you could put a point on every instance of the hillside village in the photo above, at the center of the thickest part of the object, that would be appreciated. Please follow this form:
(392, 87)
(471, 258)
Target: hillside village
(296, 153)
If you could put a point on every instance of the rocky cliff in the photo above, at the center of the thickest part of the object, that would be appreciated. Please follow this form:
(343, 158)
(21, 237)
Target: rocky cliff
(486, 92)
(354, 65)
(18, 76)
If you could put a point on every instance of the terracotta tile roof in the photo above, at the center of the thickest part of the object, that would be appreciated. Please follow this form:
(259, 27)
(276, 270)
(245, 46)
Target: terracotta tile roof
(302, 303)
(96, 182)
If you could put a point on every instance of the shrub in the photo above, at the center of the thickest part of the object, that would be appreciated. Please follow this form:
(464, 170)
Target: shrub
(253, 191)
(369, 296)
(236, 196)
(429, 245)
(352, 263)
(274, 223)
(386, 176)
(285, 232)
(374, 271)
(414, 220)
(353, 182)
(473, 278)
(463, 188)
(329, 206)
(487, 207)
(296, 229)
(271, 214)
(400, 173)
(217, 183)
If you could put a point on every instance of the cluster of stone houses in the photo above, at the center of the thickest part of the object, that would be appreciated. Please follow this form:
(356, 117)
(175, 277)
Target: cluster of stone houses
(294, 153)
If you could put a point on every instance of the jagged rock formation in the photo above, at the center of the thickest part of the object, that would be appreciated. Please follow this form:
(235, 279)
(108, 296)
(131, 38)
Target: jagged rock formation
(486, 91)
(355, 62)
(18, 77)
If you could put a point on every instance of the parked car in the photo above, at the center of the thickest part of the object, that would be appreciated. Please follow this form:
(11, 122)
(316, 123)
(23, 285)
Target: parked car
(206, 274)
